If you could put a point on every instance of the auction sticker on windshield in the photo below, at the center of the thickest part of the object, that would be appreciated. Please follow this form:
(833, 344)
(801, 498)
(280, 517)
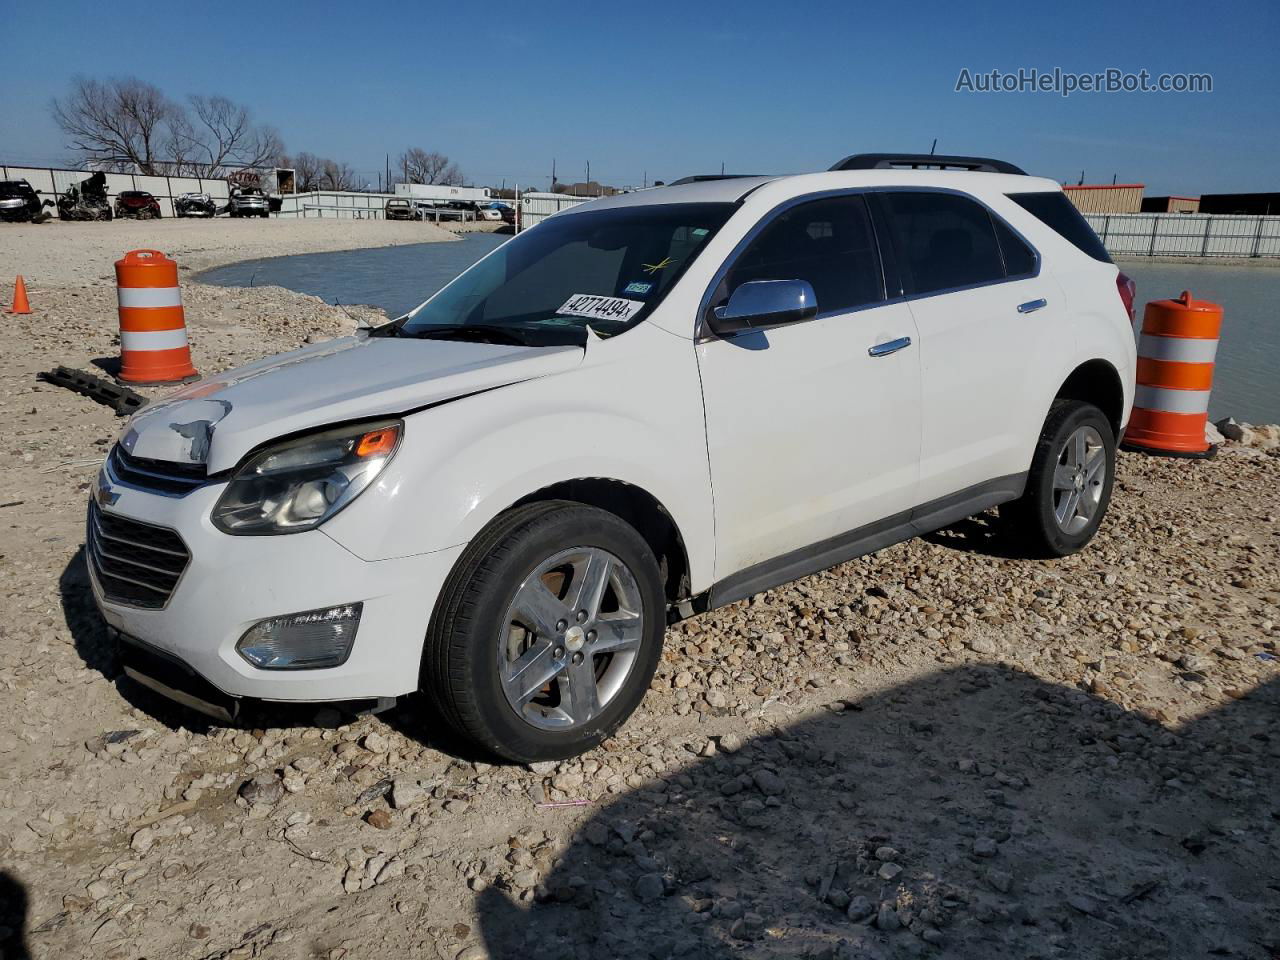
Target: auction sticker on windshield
(600, 308)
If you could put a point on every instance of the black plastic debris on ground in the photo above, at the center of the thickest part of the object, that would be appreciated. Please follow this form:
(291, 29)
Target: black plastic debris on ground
(120, 399)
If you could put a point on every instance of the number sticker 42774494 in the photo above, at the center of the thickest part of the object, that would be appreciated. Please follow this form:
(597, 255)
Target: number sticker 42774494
(600, 308)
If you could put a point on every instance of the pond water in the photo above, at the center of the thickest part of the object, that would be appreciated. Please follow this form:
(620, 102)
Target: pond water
(1246, 382)
(393, 278)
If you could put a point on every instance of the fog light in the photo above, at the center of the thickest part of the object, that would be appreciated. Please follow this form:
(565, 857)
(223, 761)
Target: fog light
(302, 641)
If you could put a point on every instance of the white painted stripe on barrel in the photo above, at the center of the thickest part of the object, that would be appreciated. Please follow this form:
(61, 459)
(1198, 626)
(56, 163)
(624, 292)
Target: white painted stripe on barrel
(153, 340)
(150, 296)
(1177, 349)
(1167, 400)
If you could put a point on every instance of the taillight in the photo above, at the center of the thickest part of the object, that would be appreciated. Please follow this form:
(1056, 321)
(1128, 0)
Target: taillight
(1128, 291)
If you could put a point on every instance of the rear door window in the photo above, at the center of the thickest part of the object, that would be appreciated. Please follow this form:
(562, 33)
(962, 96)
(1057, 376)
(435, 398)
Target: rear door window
(1054, 210)
(827, 242)
(943, 241)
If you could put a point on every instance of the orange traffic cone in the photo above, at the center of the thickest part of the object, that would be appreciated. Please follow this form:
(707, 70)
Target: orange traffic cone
(20, 304)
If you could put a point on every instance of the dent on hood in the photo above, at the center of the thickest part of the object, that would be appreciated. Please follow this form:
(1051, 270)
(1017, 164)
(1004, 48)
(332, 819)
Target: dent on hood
(188, 434)
(185, 437)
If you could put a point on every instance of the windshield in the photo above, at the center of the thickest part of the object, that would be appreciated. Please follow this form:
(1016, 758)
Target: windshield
(607, 270)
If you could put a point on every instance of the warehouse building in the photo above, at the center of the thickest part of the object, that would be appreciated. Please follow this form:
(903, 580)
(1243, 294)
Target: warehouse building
(1106, 197)
(1170, 204)
(1263, 204)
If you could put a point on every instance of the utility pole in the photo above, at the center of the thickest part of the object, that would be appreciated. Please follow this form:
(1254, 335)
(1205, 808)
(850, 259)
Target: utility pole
(646, 178)
(934, 147)
(588, 174)
(722, 168)
(553, 174)
(388, 173)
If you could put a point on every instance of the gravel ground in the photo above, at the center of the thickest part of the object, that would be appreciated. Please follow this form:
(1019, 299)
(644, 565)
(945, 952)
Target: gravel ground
(941, 750)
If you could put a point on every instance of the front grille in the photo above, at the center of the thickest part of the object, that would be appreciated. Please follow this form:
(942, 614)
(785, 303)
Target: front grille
(135, 563)
(156, 475)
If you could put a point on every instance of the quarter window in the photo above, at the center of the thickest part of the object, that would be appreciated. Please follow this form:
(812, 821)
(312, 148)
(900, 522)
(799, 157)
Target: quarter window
(943, 240)
(828, 242)
(1019, 259)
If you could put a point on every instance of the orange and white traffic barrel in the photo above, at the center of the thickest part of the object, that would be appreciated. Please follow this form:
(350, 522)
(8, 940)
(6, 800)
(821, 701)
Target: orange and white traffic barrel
(153, 327)
(1176, 351)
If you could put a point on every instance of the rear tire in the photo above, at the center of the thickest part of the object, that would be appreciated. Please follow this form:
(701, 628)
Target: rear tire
(547, 632)
(1069, 484)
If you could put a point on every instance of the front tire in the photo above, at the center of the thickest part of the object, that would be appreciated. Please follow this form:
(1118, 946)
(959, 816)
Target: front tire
(1069, 484)
(547, 632)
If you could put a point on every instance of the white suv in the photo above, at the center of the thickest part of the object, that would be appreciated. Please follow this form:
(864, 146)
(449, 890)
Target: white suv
(643, 408)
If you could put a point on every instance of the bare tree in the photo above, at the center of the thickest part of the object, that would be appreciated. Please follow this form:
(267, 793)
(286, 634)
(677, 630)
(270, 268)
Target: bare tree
(216, 134)
(123, 122)
(307, 170)
(336, 176)
(420, 166)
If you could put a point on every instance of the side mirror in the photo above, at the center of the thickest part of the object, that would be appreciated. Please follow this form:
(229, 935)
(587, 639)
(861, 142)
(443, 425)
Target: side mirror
(761, 304)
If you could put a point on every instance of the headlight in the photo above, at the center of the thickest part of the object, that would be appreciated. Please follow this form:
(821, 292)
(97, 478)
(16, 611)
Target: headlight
(299, 484)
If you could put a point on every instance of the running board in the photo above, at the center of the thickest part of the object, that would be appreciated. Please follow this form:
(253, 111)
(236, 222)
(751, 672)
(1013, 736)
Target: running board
(825, 554)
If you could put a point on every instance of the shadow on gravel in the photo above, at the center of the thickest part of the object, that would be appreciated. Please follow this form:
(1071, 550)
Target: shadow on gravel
(976, 813)
(13, 918)
(980, 534)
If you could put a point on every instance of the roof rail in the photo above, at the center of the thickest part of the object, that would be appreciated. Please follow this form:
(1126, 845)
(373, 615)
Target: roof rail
(704, 177)
(925, 161)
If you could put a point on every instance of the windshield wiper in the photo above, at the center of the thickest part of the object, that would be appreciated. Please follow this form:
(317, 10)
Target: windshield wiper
(479, 332)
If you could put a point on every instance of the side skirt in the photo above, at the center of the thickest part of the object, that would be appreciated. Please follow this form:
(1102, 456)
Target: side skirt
(856, 543)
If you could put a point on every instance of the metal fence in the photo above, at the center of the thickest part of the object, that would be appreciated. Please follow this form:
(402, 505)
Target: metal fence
(350, 205)
(51, 183)
(335, 204)
(1187, 234)
(536, 207)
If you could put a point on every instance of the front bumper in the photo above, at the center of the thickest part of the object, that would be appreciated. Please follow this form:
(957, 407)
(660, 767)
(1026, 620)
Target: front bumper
(230, 583)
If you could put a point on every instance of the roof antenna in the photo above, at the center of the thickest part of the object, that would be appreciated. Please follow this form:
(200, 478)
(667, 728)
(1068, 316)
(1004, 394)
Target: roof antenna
(934, 147)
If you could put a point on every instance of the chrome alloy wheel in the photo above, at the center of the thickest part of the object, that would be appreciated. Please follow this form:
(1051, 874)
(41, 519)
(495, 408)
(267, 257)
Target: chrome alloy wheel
(570, 637)
(1078, 479)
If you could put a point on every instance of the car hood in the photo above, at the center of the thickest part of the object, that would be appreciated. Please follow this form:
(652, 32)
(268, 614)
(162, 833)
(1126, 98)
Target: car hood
(218, 420)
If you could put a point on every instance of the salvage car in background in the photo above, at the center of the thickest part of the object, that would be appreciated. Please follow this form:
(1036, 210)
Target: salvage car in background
(137, 204)
(400, 210)
(249, 202)
(19, 202)
(195, 205)
(86, 200)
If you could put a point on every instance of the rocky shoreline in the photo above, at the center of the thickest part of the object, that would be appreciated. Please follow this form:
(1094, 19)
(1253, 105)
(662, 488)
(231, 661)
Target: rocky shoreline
(940, 750)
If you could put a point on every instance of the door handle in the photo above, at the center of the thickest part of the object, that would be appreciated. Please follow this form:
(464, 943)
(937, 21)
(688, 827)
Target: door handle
(889, 346)
(1031, 306)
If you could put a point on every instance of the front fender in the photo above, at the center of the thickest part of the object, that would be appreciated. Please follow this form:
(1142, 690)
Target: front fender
(632, 412)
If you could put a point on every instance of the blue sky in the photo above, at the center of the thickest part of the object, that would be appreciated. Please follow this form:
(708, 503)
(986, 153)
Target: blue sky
(673, 89)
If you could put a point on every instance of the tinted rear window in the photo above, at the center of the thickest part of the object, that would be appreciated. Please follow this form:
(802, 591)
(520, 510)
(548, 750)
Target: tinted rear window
(943, 241)
(1059, 214)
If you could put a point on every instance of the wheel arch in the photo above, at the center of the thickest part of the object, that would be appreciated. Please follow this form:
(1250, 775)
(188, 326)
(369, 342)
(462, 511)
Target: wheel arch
(640, 509)
(1097, 382)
